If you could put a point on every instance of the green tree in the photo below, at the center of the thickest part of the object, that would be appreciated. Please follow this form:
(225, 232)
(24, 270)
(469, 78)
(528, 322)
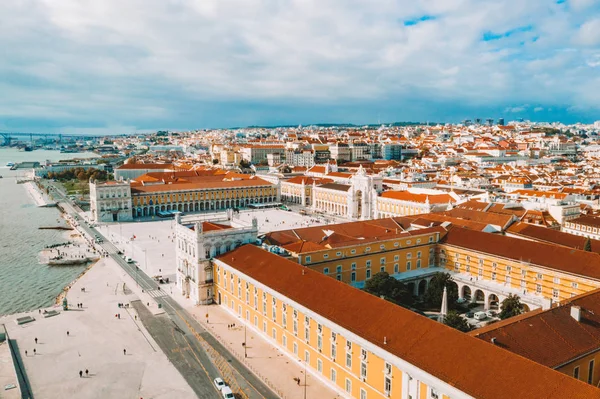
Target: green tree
(588, 245)
(393, 290)
(435, 290)
(454, 320)
(244, 164)
(215, 161)
(511, 306)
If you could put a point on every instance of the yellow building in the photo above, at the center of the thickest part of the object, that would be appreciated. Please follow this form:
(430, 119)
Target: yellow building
(488, 267)
(354, 252)
(366, 347)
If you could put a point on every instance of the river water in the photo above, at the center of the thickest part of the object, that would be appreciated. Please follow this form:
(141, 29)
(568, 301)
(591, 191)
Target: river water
(25, 284)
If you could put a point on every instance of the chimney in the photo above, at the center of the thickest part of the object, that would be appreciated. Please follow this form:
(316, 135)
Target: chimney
(576, 312)
(385, 340)
(303, 272)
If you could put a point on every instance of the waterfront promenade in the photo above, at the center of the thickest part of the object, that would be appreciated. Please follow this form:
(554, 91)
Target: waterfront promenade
(95, 342)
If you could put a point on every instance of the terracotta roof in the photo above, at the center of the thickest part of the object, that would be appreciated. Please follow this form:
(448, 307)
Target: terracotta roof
(587, 220)
(483, 217)
(545, 234)
(335, 186)
(550, 337)
(477, 368)
(419, 198)
(541, 254)
(143, 166)
(199, 185)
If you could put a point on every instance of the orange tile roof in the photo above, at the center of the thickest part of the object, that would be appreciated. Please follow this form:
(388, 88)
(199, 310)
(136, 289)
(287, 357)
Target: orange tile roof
(200, 186)
(541, 254)
(477, 368)
(552, 236)
(419, 198)
(552, 337)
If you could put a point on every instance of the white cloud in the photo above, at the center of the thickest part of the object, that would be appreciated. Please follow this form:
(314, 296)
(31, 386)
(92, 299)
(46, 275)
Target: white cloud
(516, 110)
(538, 109)
(112, 59)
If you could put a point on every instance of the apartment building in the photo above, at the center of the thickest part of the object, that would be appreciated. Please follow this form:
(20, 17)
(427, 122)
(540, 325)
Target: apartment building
(584, 226)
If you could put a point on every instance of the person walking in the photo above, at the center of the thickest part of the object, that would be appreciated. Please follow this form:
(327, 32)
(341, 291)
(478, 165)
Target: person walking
(124, 351)
(25, 352)
(87, 372)
(67, 333)
(34, 351)
(36, 340)
(80, 374)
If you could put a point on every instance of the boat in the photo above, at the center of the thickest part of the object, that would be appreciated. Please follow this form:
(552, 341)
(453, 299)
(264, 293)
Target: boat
(10, 164)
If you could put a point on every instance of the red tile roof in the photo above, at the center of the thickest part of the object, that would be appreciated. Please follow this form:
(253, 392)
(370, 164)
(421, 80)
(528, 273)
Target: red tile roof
(541, 254)
(477, 368)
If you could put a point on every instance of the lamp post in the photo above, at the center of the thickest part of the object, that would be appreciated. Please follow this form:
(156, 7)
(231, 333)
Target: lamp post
(244, 344)
(304, 378)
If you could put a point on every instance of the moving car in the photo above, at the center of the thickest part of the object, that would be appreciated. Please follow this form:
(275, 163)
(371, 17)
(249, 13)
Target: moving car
(129, 260)
(227, 393)
(219, 383)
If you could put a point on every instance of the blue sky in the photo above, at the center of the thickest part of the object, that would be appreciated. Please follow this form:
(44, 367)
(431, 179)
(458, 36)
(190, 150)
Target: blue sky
(126, 65)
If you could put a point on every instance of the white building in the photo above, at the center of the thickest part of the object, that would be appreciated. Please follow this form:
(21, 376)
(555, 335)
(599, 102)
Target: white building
(197, 242)
(111, 201)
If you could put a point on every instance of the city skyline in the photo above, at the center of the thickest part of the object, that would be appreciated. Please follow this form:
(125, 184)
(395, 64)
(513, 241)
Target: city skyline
(111, 67)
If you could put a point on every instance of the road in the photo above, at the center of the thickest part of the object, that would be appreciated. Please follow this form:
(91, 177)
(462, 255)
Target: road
(172, 331)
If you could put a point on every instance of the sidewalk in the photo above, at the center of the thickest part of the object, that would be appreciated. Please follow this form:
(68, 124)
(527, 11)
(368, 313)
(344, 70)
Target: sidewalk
(276, 368)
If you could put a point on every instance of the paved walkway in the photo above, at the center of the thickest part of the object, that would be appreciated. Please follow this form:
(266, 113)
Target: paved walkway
(95, 342)
(277, 368)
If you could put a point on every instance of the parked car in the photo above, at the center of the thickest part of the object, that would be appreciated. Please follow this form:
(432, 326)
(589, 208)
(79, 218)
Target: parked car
(129, 260)
(480, 316)
(227, 393)
(470, 315)
(461, 300)
(219, 383)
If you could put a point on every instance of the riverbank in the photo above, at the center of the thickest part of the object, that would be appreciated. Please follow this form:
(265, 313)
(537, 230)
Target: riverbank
(39, 197)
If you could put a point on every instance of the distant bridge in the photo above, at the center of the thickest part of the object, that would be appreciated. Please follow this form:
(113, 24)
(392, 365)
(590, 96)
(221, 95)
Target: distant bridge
(47, 137)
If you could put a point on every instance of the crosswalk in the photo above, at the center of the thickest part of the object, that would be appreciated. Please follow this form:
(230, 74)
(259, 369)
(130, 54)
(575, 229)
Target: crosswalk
(157, 293)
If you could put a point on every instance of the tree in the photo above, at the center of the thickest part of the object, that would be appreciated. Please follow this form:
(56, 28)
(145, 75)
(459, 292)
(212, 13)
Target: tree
(454, 320)
(393, 290)
(435, 290)
(588, 245)
(215, 161)
(511, 306)
(244, 164)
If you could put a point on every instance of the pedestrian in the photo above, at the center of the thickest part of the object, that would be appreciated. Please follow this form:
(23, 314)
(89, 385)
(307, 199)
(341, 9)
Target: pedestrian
(86, 372)
(119, 315)
(298, 381)
(25, 352)
(124, 351)
(40, 311)
(34, 351)
(36, 340)
(135, 317)
(67, 333)
(80, 373)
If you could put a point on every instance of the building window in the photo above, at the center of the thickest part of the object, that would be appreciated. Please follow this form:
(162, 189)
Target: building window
(555, 293)
(353, 266)
(382, 246)
(338, 254)
(419, 254)
(274, 334)
(574, 285)
(408, 265)
(363, 394)
(295, 348)
(363, 370)
(538, 288)
(348, 385)
(382, 261)
(540, 276)
(319, 343)
(353, 251)
(387, 385)
(591, 372)
(396, 257)
(368, 274)
(508, 269)
(326, 270)
(418, 263)
(353, 277)
(456, 267)
(408, 255)
(338, 268)
(367, 249)
(307, 357)
(433, 394)
(319, 365)
(333, 375)
(325, 256)
(396, 268)
(368, 263)
(576, 372)
(308, 259)
(493, 276)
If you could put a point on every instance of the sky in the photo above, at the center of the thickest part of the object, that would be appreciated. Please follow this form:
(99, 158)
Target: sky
(119, 66)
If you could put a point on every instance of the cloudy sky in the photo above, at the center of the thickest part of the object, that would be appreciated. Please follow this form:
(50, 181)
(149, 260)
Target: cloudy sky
(126, 65)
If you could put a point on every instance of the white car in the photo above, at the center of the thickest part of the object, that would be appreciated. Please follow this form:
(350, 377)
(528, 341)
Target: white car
(219, 383)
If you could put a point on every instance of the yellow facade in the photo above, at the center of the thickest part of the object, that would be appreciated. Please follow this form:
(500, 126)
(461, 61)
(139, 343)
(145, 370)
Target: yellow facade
(549, 283)
(357, 263)
(350, 367)
(585, 369)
